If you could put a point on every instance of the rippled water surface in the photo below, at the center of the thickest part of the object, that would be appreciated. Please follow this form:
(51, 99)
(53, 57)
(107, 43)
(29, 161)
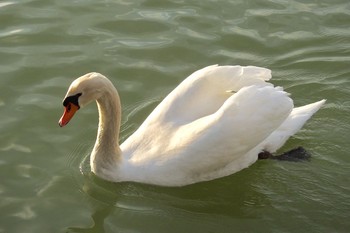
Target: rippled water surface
(146, 48)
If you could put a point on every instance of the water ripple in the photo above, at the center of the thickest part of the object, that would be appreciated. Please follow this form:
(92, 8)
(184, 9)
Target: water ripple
(147, 48)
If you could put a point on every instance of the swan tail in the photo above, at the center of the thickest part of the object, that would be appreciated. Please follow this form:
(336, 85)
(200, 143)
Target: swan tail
(290, 126)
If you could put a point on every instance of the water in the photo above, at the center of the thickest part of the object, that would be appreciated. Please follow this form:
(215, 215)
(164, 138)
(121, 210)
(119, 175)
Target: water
(147, 48)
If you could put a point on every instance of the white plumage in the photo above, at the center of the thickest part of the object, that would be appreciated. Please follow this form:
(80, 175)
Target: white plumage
(213, 124)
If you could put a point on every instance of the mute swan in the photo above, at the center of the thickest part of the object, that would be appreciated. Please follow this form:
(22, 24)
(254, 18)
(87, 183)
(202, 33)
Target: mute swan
(213, 124)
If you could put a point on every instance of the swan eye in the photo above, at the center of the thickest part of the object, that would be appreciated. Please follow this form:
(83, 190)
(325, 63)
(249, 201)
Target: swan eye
(72, 99)
(69, 106)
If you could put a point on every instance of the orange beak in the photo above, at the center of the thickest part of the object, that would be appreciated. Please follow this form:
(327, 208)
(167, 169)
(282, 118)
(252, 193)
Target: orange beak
(68, 114)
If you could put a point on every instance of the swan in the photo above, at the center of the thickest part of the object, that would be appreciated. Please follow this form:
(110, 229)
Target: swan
(213, 124)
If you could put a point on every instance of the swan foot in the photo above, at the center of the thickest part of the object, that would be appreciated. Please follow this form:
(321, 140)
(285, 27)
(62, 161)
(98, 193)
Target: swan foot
(294, 155)
(265, 155)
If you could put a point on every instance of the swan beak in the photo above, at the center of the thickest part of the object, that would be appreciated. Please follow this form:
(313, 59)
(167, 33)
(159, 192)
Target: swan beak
(68, 114)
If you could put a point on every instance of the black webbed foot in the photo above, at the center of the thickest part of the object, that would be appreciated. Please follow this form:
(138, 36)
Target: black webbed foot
(265, 155)
(295, 155)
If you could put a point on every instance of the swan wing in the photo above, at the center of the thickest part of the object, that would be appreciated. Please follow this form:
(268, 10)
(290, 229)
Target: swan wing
(201, 94)
(243, 122)
(205, 91)
(192, 152)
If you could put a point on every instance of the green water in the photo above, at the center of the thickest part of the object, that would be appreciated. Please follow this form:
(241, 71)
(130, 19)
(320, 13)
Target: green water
(146, 48)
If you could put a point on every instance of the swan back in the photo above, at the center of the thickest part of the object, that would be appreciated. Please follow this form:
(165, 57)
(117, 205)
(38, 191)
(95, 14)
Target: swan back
(218, 115)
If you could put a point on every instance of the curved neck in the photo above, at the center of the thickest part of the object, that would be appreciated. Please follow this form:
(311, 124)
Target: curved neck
(106, 151)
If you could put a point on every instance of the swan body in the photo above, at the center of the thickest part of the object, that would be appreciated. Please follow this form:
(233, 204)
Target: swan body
(215, 123)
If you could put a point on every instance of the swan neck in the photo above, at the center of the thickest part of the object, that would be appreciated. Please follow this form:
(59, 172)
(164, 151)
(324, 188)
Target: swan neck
(106, 151)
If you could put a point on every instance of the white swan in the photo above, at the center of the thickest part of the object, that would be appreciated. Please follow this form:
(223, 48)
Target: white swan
(212, 125)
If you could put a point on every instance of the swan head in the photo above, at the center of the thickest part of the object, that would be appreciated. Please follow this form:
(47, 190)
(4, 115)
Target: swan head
(81, 92)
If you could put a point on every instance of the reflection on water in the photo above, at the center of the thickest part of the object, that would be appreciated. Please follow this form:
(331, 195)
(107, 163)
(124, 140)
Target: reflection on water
(195, 203)
(145, 207)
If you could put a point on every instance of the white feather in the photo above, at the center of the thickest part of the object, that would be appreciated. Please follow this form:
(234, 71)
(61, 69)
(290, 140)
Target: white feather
(213, 124)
